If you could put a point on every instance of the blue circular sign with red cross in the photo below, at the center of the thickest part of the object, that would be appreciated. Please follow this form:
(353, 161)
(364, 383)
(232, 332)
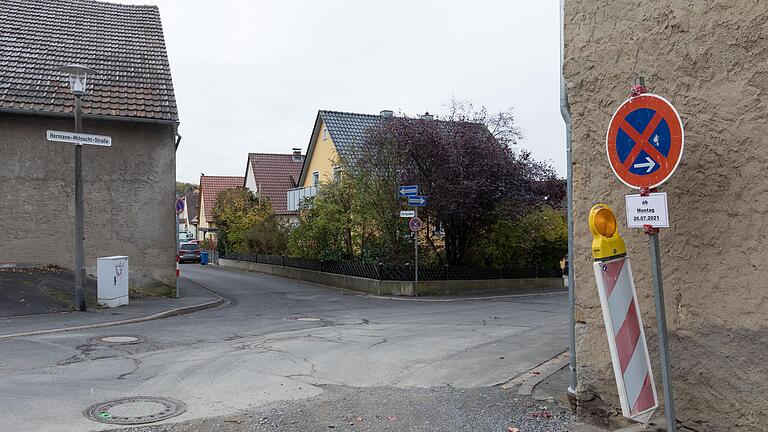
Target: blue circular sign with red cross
(645, 141)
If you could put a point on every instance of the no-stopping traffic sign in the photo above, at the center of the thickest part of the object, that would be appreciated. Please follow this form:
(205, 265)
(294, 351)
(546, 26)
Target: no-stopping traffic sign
(645, 141)
(415, 224)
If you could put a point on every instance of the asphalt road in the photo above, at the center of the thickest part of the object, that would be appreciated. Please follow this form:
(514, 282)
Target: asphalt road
(280, 341)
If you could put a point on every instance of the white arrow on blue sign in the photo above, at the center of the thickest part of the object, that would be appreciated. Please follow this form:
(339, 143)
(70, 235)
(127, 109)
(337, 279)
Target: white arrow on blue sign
(406, 191)
(417, 201)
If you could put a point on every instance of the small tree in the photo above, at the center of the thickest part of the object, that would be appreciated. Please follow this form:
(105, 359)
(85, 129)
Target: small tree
(236, 212)
(536, 240)
(464, 169)
(326, 229)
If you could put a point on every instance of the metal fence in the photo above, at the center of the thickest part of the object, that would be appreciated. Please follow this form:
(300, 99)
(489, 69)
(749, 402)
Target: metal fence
(399, 272)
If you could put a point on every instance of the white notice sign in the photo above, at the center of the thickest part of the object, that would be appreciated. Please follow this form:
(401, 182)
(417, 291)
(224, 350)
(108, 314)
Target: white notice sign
(407, 213)
(79, 138)
(647, 210)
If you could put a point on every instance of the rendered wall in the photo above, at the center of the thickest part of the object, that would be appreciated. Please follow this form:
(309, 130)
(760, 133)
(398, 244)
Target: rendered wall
(323, 156)
(710, 59)
(129, 190)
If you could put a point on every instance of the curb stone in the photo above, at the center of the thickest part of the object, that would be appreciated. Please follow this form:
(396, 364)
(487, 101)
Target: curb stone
(220, 300)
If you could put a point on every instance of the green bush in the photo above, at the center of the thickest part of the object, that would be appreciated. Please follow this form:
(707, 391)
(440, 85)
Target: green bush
(538, 239)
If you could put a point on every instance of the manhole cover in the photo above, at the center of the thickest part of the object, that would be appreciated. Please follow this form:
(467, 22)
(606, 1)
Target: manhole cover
(135, 410)
(118, 339)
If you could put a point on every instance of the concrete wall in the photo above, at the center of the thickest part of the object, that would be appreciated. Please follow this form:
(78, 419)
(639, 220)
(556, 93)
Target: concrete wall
(404, 288)
(129, 190)
(709, 59)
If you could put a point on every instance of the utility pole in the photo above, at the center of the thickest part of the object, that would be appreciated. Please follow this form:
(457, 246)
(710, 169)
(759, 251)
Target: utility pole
(77, 81)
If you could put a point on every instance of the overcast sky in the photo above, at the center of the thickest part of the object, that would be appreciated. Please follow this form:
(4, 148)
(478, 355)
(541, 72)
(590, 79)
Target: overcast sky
(250, 76)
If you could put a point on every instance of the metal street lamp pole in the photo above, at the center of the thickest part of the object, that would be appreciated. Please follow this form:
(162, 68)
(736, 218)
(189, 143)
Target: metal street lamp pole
(77, 81)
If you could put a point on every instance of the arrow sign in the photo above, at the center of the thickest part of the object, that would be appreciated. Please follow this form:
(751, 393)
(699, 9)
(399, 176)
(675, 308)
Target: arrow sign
(406, 191)
(649, 164)
(417, 201)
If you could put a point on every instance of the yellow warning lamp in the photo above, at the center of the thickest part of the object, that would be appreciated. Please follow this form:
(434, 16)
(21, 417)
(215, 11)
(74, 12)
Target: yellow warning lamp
(606, 241)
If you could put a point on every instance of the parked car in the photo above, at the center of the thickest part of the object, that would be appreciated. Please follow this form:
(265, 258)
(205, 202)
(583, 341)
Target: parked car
(189, 252)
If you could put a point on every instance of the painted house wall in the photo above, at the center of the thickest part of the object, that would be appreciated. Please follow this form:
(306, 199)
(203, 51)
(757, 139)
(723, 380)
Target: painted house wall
(709, 60)
(250, 179)
(322, 157)
(202, 222)
(129, 189)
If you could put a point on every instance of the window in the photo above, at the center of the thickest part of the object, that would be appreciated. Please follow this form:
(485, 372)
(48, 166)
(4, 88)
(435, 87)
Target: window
(325, 134)
(336, 174)
(315, 178)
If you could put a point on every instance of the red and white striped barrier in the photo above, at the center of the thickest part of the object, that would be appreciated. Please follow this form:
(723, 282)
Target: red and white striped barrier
(626, 338)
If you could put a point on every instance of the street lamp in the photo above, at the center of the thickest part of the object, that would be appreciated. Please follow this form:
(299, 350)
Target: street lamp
(78, 76)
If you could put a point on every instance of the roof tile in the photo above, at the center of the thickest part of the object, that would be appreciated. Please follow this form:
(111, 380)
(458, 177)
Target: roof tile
(211, 186)
(123, 43)
(274, 175)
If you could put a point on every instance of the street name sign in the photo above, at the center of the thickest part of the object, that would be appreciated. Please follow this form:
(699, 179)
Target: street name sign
(647, 210)
(79, 138)
(406, 191)
(415, 224)
(407, 213)
(645, 141)
(626, 338)
(417, 201)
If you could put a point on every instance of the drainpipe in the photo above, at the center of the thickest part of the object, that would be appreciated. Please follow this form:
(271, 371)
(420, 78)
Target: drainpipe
(565, 111)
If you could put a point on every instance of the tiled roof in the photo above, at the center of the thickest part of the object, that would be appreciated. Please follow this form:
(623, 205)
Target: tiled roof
(274, 174)
(211, 186)
(124, 44)
(348, 132)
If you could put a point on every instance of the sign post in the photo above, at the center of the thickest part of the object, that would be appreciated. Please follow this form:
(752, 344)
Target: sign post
(644, 144)
(411, 193)
(415, 225)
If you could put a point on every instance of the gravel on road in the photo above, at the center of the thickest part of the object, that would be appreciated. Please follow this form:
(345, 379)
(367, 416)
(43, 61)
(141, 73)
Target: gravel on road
(374, 409)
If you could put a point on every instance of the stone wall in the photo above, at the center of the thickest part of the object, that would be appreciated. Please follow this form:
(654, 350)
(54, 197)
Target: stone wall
(710, 59)
(129, 190)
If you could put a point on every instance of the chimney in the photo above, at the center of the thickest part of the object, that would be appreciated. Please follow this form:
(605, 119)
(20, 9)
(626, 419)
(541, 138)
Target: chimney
(297, 154)
(387, 113)
(427, 116)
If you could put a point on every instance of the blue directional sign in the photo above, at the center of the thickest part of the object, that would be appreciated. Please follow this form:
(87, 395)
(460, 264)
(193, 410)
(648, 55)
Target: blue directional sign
(406, 191)
(417, 201)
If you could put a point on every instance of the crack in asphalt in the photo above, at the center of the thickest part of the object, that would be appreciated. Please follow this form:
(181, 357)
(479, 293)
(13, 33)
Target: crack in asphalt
(136, 366)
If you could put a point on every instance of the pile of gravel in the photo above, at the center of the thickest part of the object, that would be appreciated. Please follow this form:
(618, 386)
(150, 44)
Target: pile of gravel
(342, 408)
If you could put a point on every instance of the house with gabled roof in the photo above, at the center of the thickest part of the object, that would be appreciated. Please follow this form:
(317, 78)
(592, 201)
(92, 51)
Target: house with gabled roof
(337, 140)
(210, 188)
(188, 217)
(129, 188)
(270, 176)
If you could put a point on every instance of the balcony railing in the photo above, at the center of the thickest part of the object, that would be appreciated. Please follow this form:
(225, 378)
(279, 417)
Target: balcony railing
(297, 195)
